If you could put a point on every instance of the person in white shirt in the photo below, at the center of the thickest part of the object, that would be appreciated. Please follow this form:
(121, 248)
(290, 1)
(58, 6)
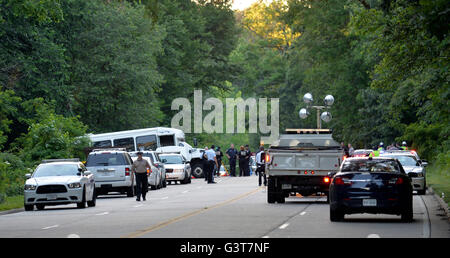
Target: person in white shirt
(212, 160)
(260, 165)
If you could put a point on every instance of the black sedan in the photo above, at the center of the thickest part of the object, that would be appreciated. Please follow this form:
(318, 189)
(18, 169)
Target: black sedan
(371, 185)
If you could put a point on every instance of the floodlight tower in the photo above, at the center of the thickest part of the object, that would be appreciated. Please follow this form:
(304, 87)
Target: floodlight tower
(325, 116)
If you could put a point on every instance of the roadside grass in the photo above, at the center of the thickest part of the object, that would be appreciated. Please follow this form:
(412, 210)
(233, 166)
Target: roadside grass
(438, 177)
(13, 202)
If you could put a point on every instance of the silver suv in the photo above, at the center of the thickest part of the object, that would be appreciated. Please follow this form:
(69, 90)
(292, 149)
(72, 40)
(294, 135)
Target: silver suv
(112, 171)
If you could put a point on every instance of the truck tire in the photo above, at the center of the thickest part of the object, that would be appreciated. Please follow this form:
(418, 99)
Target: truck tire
(271, 196)
(281, 198)
(197, 170)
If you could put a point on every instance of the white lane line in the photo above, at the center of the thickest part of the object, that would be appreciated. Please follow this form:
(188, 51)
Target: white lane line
(303, 213)
(426, 230)
(54, 226)
(265, 237)
(103, 213)
(73, 236)
(139, 205)
(373, 236)
(163, 198)
(285, 225)
(185, 192)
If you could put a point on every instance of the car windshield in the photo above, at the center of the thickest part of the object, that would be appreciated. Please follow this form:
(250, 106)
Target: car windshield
(105, 159)
(56, 170)
(171, 159)
(405, 160)
(366, 165)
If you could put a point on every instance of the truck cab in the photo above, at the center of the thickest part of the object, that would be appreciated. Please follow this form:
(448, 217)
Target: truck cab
(301, 161)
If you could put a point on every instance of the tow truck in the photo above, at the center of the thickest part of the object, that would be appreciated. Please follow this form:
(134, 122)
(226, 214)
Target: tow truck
(302, 161)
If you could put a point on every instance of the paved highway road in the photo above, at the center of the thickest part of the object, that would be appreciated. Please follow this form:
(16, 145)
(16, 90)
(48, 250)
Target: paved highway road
(234, 207)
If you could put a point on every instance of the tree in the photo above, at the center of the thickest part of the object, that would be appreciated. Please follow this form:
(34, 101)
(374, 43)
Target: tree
(50, 135)
(112, 49)
(8, 102)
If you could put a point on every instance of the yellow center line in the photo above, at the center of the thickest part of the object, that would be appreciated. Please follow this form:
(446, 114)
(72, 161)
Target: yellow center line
(187, 215)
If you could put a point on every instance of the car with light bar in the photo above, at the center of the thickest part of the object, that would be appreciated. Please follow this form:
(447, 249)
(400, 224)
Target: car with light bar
(177, 168)
(413, 167)
(112, 171)
(59, 182)
(371, 185)
(300, 161)
(157, 172)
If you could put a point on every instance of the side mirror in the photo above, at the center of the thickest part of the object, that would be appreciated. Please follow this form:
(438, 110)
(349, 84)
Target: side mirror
(28, 176)
(424, 163)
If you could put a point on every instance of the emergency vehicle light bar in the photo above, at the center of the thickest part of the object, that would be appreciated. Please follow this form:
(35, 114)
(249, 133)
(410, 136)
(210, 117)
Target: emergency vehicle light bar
(308, 131)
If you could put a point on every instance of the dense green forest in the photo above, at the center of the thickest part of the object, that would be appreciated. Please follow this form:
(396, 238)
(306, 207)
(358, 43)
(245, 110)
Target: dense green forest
(71, 67)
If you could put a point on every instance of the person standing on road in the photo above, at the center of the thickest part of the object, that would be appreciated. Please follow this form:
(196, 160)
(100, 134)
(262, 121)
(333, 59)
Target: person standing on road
(219, 155)
(205, 164)
(351, 150)
(212, 160)
(232, 155)
(247, 160)
(345, 148)
(139, 170)
(261, 165)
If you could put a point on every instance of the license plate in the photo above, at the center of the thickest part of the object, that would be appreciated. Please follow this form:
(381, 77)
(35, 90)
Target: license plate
(369, 202)
(286, 186)
(51, 197)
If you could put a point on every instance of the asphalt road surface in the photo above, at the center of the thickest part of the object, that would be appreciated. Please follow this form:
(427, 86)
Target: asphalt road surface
(232, 208)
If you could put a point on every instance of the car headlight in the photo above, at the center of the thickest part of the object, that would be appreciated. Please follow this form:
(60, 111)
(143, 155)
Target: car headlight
(418, 171)
(74, 185)
(30, 187)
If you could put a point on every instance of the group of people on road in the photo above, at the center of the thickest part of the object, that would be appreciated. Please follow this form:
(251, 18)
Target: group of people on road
(243, 156)
(349, 150)
(213, 160)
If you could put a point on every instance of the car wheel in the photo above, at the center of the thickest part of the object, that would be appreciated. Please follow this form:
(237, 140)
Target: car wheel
(40, 206)
(93, 202)
(130, 192)
(336, 215)
(82, 204)
(165, 183)
(29, 207)
(407, 212)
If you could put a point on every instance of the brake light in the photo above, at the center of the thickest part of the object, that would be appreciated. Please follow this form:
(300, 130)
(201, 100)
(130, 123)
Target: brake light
(267, 158)
(326, 180)
(127, 171)
(341, 181)
(149, 171)
(396, 181)
(344, 157)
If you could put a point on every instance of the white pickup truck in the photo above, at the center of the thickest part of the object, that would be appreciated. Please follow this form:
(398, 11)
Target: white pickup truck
(302, 161)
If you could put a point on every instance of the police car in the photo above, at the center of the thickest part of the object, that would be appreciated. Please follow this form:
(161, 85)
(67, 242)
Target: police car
(413, 166)
(57, 182)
